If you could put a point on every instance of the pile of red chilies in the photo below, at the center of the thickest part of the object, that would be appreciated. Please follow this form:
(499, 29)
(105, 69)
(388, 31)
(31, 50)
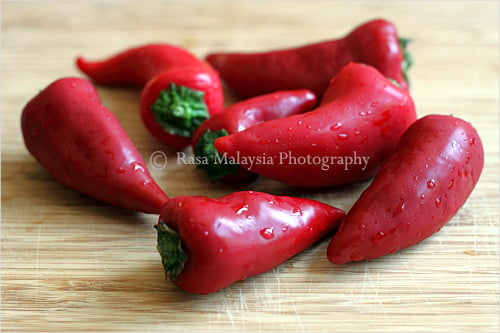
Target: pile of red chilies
(321, 115)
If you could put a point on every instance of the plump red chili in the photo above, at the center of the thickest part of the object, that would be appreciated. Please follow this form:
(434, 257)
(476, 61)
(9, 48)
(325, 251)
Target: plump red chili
(180, 91)
(421, 187)
(239, 117)
(82, 145)
(175, 103)
(375, 43)
(207, 244)
(346, 139)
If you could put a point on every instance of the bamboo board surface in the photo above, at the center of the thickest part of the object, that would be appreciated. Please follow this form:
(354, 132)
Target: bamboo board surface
(70, 263)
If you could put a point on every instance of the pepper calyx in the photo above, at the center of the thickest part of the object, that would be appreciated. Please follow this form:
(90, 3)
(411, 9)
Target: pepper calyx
(208, 159)
(407, 57)
(169, 246)
(180, 110)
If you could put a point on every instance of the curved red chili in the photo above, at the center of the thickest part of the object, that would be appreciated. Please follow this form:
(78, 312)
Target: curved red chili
(375, 43)
(344, 140)
(180, 91)
(419, 189)
(238, 117)
(82, 145)
(136, 66)
(207, 244)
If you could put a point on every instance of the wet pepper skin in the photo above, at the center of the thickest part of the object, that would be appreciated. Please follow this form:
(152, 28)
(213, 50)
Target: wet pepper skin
(420, 188)
(375, 43)
(207, 244)
(361, 112)
(241, 116)
(82, 145)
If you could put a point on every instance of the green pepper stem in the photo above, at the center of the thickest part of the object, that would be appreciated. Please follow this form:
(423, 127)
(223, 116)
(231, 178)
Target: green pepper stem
(180, 110)
(209, 160)
(169, 246)
(407, 58)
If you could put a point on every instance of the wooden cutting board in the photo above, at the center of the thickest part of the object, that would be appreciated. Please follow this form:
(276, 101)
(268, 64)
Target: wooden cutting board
(70, 263)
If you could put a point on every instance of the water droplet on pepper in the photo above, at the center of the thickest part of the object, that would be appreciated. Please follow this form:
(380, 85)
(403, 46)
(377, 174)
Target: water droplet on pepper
(242, 209)
(378, 238)
(267, 233)
(137, 167)
(342, 136)
(399, 209)
(336, 126)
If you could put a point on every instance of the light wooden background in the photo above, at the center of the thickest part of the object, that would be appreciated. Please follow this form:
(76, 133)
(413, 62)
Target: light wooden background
(70, 263)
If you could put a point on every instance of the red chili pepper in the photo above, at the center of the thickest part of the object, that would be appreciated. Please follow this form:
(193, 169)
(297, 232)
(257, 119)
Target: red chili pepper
(430, 176)
(136, 66)
(180, 91)
(342, 141)
(82, 145)
(238, 117)
(312, 66)
(207, 244)
(175, 103)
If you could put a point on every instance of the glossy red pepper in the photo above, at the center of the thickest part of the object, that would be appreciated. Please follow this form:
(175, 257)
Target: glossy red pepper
(82, 145)
(375, 43)
(346, 139)
(239, 117)
(421, 187)
(136, 66)
(176, 102)
(207, 244)
(179, 90)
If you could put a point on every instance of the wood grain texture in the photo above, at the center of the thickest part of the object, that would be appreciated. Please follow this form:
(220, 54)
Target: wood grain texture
(70, 263)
